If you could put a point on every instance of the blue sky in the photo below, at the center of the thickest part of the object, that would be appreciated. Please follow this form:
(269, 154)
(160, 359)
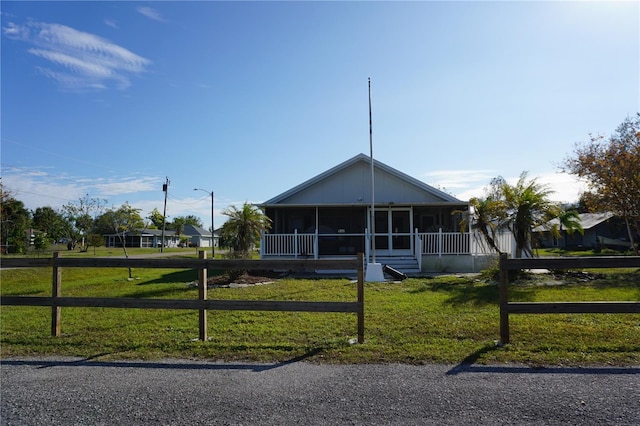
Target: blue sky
(249, 99)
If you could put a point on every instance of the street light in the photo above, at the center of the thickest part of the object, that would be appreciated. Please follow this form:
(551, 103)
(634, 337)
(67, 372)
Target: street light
(213, 251)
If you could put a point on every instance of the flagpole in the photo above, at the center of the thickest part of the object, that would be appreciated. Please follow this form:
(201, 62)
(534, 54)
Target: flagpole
(374, 271)
(373, 187)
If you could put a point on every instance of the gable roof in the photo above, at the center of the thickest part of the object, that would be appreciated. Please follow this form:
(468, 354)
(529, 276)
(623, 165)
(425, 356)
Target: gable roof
(587, 220)
(350, 183)
(193, 231)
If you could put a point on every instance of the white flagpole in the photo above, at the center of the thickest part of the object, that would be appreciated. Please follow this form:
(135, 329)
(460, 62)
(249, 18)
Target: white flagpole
(374, 271)
(373, 186)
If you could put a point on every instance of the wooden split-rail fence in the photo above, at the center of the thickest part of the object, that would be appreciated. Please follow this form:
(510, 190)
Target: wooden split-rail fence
(202, 304)
(560, 263)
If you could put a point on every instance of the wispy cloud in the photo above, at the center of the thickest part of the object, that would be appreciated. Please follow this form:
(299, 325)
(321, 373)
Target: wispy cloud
(465, 184)
(38, 187)
(128, 186)
(78, 60)
(458, 178)
(110, 23)
(150, 13)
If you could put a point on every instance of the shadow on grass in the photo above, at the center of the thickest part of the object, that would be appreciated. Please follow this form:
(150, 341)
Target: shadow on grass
(473, 294)
(182, 276)
(165, 364)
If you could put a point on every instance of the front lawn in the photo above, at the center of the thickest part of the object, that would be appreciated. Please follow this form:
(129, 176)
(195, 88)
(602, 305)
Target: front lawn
(446, 319)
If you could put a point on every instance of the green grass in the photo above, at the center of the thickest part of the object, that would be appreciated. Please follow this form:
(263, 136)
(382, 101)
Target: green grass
(542, 252)
(448, 319)
(107, 251)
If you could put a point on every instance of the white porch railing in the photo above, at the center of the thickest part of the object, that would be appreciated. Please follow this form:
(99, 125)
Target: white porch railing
(440, 243)
(289, 245)
(456, 243)
(425, 243)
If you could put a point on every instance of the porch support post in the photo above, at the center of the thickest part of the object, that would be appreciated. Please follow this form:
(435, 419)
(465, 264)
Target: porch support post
(316, 245)
(262, 242)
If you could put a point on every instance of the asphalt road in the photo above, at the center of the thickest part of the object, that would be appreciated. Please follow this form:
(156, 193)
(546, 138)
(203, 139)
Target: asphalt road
(175, 392)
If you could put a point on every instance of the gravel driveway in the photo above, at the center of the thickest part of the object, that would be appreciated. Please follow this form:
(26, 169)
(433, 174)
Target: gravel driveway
(175, 392)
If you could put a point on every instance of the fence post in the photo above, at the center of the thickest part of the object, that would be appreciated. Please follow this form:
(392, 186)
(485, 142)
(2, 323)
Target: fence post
(361, 298)
(202, 295)
(56, 291)
(504, 300)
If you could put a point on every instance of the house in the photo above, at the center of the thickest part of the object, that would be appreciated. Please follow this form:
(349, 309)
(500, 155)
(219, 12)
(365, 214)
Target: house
(142, 238)
(200, 237)
(600, 230)
(196, 236)
(416, 226)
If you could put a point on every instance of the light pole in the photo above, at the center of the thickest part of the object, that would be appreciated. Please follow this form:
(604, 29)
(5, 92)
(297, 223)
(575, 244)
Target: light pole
(213, 229)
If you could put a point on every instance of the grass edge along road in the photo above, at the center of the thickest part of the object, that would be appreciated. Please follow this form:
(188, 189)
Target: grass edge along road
(445, 319)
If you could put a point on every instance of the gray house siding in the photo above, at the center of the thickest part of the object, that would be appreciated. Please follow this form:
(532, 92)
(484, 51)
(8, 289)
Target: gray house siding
(335, 206)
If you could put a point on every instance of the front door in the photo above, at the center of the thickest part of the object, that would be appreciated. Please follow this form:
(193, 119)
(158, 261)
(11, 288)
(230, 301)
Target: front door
(393, 231)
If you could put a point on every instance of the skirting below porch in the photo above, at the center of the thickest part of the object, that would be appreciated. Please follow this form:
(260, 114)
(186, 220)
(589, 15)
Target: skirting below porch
(457, 263)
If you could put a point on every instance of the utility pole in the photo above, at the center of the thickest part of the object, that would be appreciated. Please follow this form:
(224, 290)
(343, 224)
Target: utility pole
(165, 189)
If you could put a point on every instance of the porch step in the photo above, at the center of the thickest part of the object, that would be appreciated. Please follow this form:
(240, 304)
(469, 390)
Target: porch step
(408, 265)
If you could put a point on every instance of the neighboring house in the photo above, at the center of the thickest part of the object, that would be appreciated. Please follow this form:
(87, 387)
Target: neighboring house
(142, 238)
(200, 237)
(417, 227)
(197, 237)
(600, 230)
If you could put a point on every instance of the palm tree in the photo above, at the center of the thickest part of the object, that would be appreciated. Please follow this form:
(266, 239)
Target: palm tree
(568, 223)
(527, 206)
(177, 225)
(487, 218)
(244, 228)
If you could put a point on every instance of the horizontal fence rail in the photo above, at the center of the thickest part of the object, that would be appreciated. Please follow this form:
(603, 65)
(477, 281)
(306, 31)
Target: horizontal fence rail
(507, 307)
(57, 301)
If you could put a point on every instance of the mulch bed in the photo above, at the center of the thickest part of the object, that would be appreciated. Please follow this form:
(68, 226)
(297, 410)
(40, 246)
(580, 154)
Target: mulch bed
(247, 278)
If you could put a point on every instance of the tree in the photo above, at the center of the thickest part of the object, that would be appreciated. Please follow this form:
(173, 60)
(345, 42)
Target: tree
(95, 240)
(518, 208)
(487, 215)
(568, 223)
(49, 221)
(178, 224)
(123, 220)
(41, 241)
(156, 218)
(610, 168)
(15, 220)
(180, 221)
(527, 206)
(243, 229)
(82, 217)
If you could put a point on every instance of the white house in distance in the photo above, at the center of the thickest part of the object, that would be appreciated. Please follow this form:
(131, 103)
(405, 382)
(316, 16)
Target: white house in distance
(196, 236)
(200, 237)
(417, 227)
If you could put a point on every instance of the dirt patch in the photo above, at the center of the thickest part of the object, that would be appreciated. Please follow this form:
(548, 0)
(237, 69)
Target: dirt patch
(246, 279)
